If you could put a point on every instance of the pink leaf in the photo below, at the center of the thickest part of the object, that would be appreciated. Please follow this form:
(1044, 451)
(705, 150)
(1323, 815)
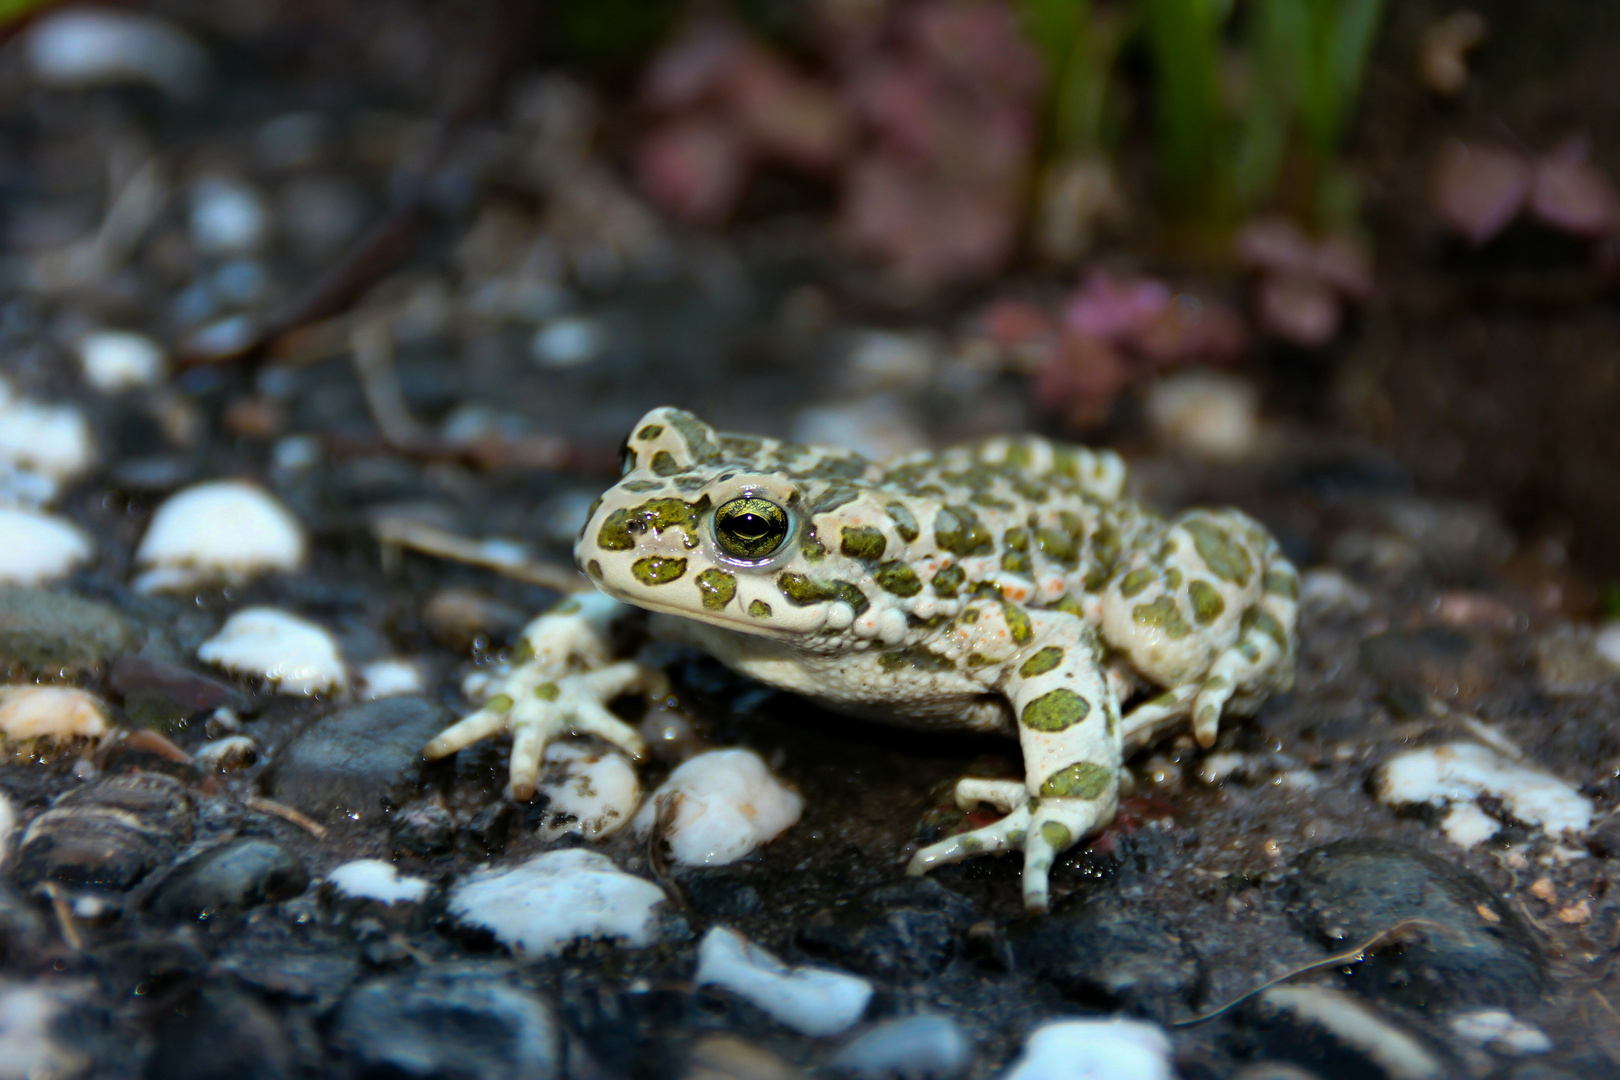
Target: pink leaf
(1115, 309)
(694, 65)
(1572, 195)
(693, 169)
(1478, 188)
(1302, 310)
(1275, 243)
(787, 116)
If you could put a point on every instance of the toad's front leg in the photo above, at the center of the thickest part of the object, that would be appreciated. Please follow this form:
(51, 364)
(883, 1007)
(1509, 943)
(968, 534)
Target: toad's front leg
(1068, 725)
(562, 676)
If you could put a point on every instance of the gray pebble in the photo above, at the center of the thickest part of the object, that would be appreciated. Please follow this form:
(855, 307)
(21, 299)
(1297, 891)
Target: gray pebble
(48, 631)
(231, 878)
(928, 1047)
(357, 761)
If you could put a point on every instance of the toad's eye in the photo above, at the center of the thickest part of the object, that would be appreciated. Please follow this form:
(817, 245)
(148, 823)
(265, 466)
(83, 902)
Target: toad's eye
(750, 528)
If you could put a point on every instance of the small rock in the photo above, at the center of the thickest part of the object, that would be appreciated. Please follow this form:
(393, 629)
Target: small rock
(589, 791)
(909, 931)
(882, 360)
(458, 1021)
(1341, 1035)
(720, 807)
(486, 834)
(283, 966)
(228, 217)
(926, 1047)
(51, 714)
(726, 1057)
(117, 360)
(1499, 1030)
(230, 754)
(39, 547)
(569, 342)
(373, 879)
(1109, 954)
(357, 760)
(1094, 1050)
(813, 1001)
(291, 654)
(541, 906)
(221, 530)
(157, 693)
(50, 631)
(1569, 661)
(32, 1042)
(109, 835)
(389, 677)
(233, 877)
(84, 47)
(1455, 776)
(460, 618)
(424, 829)
(1606, 643)
(1465, 945)
(1205, 414)
(189, 1046)
(54, 441)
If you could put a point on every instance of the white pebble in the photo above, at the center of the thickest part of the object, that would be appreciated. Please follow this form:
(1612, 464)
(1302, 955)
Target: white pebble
(1094, 1050)
(1455, 775)
(1606, 643)
(293, 655)
(727, 803)
(52, 440)
(542, 906)
(591, 791)
(569, 342)
(36, 547)
(1206, 414)
(373, 879)
(31, 1046)
(813, 1001)
(223, 529)
(1398, 1054)
(116, 360)
(1324, 591)
(927, 1047)
(1500, 1030)
(227, 754)
(883, 360)
(389, 677)
(83, 47)
(227, 217)
(57, 714)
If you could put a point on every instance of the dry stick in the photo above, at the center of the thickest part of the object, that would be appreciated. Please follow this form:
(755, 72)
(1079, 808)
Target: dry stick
(1350, 956)
(373, 348)
(64, 917)
(286, 813)
(503, 558)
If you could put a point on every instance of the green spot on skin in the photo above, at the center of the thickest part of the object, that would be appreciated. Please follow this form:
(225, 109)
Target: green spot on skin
(898, 578)
(1057, 546)
(948, 581)
(1249, 651)
(1055, 710)
(698, 436)
(905, 525)
(593, 569)
(567, 607)
(959, 531)
(522, 652)
(1082, 780)
(811, 547)
(1268, 626)
(759, 609)
(500, 703)
(1283, 583)
(862, 542)
(1018, 623)
(614, 535)
(619, 531)
(978, 660)
(1163, 615)
(1057, 834)
(664, 463)
(839, 493)
(657, 570)
(650, 432)
(716, 587)
(642, 486)
(1135, 582)
(1042, 662)
(804, 591)
(1206, 601)
(916, 658)
(1215, 684)
(1069, 606)
(1225, 557)
(547, 691)
(1172, 579)
(1016, 539)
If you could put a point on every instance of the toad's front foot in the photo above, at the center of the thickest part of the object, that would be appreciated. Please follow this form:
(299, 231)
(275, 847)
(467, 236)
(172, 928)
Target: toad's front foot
(1042, 827)
(560, 685)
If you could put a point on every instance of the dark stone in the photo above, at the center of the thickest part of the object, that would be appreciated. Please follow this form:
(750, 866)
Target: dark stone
(220, 1034)
(233, 877)
(1338, 1036)
(907, 931)
(1605, 839)
(294, 968)
(723, 894)
(1348, 891)
(358, 761)
(109, 835)
(1108, 954)
(48, 631)
(159, 694)
(1408, 662)
(486, 834)
(459, 1022)
(424, 829)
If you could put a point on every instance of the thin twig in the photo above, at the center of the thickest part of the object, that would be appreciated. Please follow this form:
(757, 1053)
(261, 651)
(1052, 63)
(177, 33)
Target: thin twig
(373, 347)
(64, 917)
(286, 813)
(503, 557)
(1349, 956)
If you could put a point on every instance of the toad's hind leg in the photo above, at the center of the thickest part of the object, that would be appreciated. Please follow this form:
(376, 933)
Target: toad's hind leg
(1068, 726)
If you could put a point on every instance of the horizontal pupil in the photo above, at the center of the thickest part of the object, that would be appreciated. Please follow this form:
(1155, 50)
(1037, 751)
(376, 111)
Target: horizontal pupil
(750, 526)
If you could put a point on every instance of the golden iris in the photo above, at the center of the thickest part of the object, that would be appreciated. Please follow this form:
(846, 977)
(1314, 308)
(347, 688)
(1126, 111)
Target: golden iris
(749, 528)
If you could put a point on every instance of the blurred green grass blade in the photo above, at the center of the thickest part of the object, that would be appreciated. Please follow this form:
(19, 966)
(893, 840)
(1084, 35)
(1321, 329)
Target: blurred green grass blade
(1185, 40)
(12, 10)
